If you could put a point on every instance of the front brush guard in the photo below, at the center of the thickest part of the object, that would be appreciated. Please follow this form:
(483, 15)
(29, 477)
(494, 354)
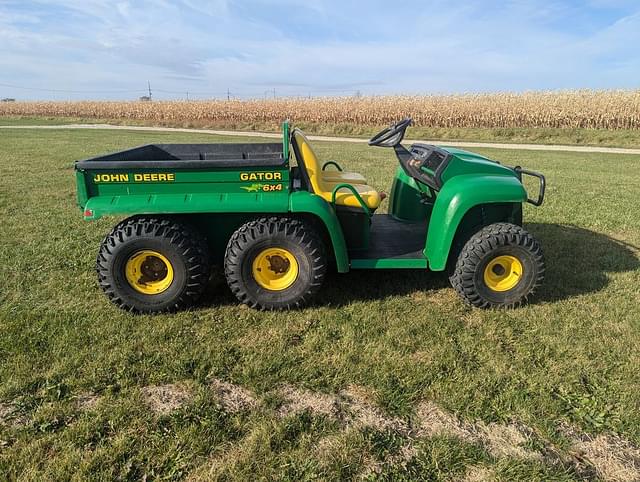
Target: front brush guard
(543, 184)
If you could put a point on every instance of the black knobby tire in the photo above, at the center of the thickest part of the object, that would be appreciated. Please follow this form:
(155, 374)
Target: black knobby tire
(182, 245)
(294, 235)
(491, 242)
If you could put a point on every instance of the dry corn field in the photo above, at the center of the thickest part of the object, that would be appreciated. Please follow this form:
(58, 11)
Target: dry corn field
(570, 109)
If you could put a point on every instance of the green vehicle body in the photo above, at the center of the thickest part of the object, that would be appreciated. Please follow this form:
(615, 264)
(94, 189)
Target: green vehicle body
(219, 200)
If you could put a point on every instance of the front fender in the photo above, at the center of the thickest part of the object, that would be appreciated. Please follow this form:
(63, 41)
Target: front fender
(456, 197)
(305, 202)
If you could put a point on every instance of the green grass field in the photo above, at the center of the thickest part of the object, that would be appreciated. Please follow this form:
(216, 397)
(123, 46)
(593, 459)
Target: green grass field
(388, 376)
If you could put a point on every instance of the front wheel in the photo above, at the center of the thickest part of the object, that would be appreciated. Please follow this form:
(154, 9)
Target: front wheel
(502, 265)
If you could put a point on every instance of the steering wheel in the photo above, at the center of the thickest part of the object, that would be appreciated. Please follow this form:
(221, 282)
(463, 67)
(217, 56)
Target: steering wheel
(391, 136)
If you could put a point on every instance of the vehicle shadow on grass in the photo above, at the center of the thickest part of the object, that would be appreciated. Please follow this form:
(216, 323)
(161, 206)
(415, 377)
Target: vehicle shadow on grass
(370, 285)
(342, 289)
(578, 262)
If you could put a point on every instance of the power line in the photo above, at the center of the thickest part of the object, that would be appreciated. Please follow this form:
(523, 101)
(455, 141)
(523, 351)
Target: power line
(71, 91)
(228, 93)
(192, 92)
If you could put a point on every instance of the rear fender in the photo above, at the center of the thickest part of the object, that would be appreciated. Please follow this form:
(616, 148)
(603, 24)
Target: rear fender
(304, 202)
(455, 199)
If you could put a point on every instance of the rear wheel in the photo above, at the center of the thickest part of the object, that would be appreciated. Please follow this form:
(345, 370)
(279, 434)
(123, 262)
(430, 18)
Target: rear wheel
(500, 266)
(151, 264)
(275, 263)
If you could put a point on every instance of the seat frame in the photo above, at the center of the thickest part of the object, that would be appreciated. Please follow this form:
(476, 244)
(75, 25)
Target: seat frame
(299, 161)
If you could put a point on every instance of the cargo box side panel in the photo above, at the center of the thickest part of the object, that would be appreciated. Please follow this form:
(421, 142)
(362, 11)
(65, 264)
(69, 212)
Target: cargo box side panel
(131, 191)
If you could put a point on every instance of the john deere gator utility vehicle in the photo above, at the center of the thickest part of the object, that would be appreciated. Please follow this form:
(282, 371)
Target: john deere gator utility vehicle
(276, 225)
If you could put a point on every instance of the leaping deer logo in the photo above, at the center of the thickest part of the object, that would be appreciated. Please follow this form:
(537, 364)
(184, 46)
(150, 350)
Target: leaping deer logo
(252, 188)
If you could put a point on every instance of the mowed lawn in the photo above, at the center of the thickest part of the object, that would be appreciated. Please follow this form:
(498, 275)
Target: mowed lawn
(387, 376)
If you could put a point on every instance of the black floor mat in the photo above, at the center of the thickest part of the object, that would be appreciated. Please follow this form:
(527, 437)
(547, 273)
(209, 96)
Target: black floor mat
(394, 239)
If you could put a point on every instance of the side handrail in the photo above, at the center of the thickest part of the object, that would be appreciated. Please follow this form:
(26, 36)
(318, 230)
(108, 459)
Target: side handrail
(355, 193)
(331, 163)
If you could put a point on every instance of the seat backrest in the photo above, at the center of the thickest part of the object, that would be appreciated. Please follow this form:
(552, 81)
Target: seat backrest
(310, 160)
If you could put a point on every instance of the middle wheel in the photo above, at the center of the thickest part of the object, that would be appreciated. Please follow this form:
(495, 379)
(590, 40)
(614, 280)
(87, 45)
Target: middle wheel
(275, 263)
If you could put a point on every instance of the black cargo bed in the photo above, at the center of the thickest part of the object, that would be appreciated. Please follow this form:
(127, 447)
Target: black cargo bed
(190, 156)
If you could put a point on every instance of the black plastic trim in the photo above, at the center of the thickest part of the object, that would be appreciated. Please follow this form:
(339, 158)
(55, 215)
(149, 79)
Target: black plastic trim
(405, 156)
(187, 164)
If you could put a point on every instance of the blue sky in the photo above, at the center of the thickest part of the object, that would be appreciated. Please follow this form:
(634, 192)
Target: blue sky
(109, 49)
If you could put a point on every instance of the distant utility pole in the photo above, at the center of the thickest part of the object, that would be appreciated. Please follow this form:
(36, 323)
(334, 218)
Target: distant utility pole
(228, 94)
(274, 92)
(149, 85)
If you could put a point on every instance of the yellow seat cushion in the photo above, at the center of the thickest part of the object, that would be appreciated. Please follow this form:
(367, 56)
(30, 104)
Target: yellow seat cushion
(324, 187)
(343, 176)
(345, 197)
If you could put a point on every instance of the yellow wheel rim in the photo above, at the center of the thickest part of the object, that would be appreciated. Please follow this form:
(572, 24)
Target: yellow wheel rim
(149, 272)
(275, 269)
(503, 273)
